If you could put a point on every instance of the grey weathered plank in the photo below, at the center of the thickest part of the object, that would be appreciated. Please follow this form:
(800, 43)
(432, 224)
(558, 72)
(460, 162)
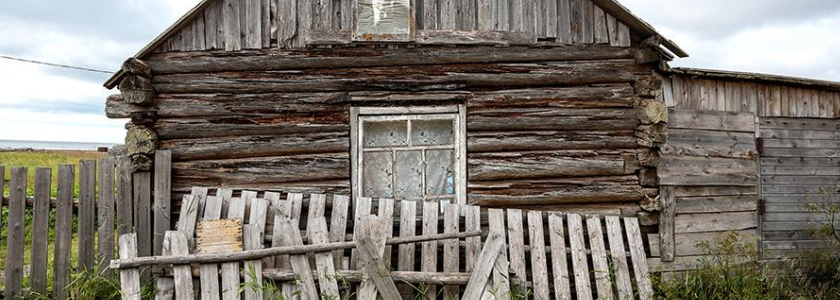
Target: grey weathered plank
(517, 15)
(142, 214)
(639, 258)
(484, 15)
(300, 264)
(501, 282)
(612, 31)
(623, 35)
(125, 199)
(564, 21)
(516, 243)
(430, 15)
(183, 276)
(559, 264)
(230, 12)
(87, 214)
(373, 264)
(448, 14)
(289, 210)
(716, 204)
(484, 266)
(501, 15)
(265, 23)
(549, 14)
(579, 265)
(324, 262)
(667, 218)
(189, 215)
(600, 267)
(472, 222)
(253, 25)
(428, 261)
(688, 244)
(105, 213)
(252, 240)
(230, 271)
(588, 22)
(40, 230)
(338, 226)
(15, 232)
(213, 25)
(304, 23)
(624, 287)
(129, 278)
(451, 257)
(287, 21)
(63, 231)
(408, 228)
(210, 272)
(361, 208)
(373, 228)
(714, 222)
(539, 268)
(198, 33)
(165, 286)
(601, 32)
(386, 210)
(163, 202)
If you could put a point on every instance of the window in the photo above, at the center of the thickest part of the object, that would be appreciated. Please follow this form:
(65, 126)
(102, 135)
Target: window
(415, 153)
(384, 20)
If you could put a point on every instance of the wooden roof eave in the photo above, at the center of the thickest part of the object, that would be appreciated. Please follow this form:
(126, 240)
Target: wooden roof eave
(637, 24)
(757, 77)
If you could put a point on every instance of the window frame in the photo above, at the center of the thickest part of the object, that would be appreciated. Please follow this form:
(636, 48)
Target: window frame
(369, 37)
(457, 112)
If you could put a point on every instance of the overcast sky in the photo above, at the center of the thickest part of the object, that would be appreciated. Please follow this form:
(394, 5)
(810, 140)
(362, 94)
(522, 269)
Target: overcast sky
(788, 37)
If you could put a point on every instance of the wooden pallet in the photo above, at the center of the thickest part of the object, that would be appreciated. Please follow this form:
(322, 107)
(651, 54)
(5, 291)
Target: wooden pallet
(598, 259)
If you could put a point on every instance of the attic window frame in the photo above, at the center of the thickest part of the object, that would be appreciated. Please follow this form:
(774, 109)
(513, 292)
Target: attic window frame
(457, 112)
(367, 37)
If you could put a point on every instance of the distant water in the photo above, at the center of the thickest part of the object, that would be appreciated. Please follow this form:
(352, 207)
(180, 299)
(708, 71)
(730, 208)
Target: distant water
(44, 145)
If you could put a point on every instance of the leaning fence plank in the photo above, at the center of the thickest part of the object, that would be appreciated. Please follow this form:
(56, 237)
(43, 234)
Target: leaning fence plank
(259, 207)
(451, 248)
(253, 268)
(230, 270)
(317, 208)
(125, 202)
(619, 259)
(637, 254)
(373, 228)
(188, 215)
(300, 264)
(323, 261)
(428, 261)
(210, 272)
(63, 231)
(581, 269)
(87, 204)
(376, 268)
(129, 278)
(408, 228)
(288, 210)
(361, 208)
(183, 275)
(105, 213)
(15, 232)
(484, 266)
(501, 281)
(516, 242)
(163, 190)
(600, 268)
(559, 265)
(165, 286)
(386, 210)
(472, 222)
(338, 226)
(201, 197)
(40, 230)
(539, 268)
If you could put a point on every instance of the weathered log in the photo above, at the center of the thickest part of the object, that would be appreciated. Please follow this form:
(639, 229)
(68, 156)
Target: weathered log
(180, 128)
(419, 78)
(653, 136)
(143, 118)
(648, 86)
(545, 164)
(651, 204)
(510, 119)
(499, 141)
(648, 157)
(293, 168)
(277, 59)
(647, 218)
(647, 56)
(205, 105)
(257, 146)
(648, 178)
(556, 191)
(597, 96)
(137, 67)
(116, 107)
(652, 111)
(141, 162)
(140, 140)
(183, 185)
(137, 90)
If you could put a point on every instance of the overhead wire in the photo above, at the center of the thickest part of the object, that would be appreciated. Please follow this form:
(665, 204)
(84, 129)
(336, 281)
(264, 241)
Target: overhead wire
(54, 64)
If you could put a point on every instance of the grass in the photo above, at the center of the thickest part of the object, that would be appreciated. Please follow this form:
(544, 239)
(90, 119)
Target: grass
(43, 158)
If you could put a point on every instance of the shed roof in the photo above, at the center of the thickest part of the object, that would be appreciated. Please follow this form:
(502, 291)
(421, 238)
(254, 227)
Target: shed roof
(758, 77)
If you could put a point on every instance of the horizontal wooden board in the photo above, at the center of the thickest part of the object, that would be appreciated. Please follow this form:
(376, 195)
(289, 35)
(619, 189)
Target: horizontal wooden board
(700, 191)
(793, 245)
(686, 223)
(795, 189)
(710, 120)
(801, 170)
(685, 263)
(788, 235)
(796, 217)
(690, 170)
(799, 162)
(704, 243)
(800, 144)
(799, 134)
(787, 226)
(710, 143)
(717, 204)
(807, 153)
(798, 180)
(797, 198)
(800, 124)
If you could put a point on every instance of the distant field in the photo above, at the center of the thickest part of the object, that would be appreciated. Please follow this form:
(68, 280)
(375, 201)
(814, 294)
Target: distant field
(43, 158)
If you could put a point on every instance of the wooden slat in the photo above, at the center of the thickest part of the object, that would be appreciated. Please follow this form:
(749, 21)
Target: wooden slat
(230, 271)
(253, 25)
(639, 258)
(451, 257)
(501, 280)
(289, 210)
(579, 265)
(623, 35)
(373, 229)
(129, 278)
(687, 244)
(428, 261)
(386, 210)
(210, 272)
(142, 214)
(165, 286)
(501, 16)
(516, 243)
(189, 215)
(612, 31)
(287, 20)
(230, 11)
(539, 268)
(714, 222)
(559, 265)
(252, 240)
(15, 232)
(163, 201)
(472, 222)
(338, 226)
(87, 214)
(213, 25)
(408, 228)
(125, 199)
(324, 261)
(372, 263)
(624, 287)
(265, 20)
(484, 15)
(601, 31)
(600, 268)
(64, 232)
(40, 230)
(448, 14)
(179, 245)
(549, 14)
(667, 217)
(361, 208)
(564, 21)
(517, 13)
(105, 212)
(300, 264)
(485, 265)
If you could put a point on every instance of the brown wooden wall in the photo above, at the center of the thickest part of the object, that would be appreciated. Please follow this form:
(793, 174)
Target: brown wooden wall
(545, 126)
(260, 24)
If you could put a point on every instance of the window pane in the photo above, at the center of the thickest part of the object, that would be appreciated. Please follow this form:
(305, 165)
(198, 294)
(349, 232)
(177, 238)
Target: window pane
(376, 179)
(432, 132)
(440, 177)
(409, 175)
(379, 134)
(383, 17)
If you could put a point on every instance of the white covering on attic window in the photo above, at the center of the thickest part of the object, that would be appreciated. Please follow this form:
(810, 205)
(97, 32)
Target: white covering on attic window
(413, 153)
(384, 20)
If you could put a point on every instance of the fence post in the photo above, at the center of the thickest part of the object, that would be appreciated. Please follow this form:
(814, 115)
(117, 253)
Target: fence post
(87, 198)
(162, 210)
(40, 229)
(666, 223)
(105, 214)
(125, 210)
(63, 231)
(143, 217)
(15, 232)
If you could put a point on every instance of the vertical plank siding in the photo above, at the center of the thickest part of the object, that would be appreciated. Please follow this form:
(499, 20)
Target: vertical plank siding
(63, 230)
(16, 227)
(40, 230)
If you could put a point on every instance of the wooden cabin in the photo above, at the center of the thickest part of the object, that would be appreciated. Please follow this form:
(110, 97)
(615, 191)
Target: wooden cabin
(550, 104)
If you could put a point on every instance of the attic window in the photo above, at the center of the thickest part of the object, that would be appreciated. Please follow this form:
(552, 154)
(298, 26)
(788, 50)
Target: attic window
(384, 20)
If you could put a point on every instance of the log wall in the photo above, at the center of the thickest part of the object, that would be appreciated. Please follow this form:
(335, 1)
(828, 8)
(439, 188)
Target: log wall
(545, 126)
